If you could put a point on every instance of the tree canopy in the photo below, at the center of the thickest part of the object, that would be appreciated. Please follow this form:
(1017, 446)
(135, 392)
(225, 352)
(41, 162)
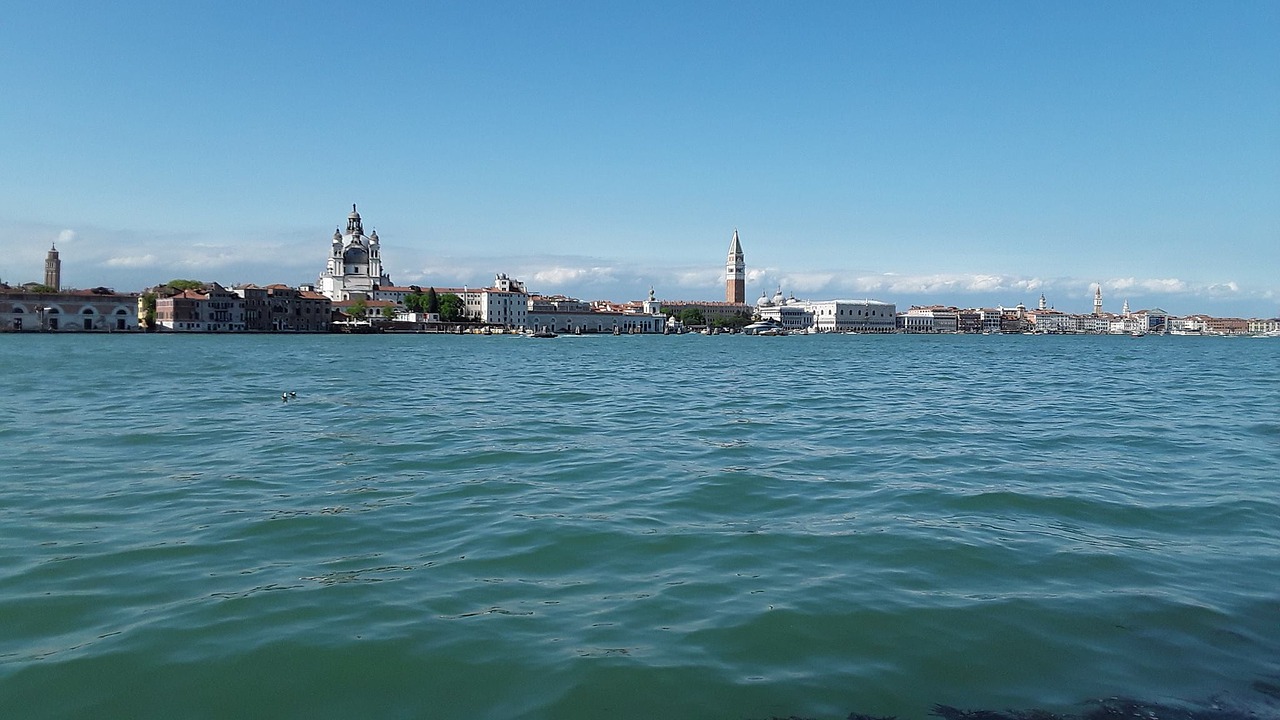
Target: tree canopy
(452, 309)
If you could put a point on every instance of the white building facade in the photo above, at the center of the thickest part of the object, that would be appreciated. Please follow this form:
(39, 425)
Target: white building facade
(355, 263)
(72, 311)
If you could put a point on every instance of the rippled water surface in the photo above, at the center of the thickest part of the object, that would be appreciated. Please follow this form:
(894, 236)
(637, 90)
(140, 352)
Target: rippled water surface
(635, 527)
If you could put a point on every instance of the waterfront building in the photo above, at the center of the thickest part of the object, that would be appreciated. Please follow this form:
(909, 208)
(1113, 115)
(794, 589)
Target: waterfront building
(1225, 326)
(363, 311)
(53, 269)
(790, 313)
(1093, 324)
(1157, 319)
(355, 263)
(860, 316)
(210, 309)
(97, 310)
(969, 321)
(711, 311)
(1261, 326)
(735, 286)
(1048, 320)
(280, 308)
(930, 319)
(592, 321)
(391, 293)
(992, 319)
(569, 315)
(505, 303)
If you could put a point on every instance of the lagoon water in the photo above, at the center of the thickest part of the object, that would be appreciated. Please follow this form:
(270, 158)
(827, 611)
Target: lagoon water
(636, 527)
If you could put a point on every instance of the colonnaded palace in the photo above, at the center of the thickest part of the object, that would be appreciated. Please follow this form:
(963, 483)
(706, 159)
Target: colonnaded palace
(354, 291)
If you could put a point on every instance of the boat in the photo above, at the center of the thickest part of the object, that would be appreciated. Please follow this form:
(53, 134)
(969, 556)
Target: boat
(768, 328)
(543, 333)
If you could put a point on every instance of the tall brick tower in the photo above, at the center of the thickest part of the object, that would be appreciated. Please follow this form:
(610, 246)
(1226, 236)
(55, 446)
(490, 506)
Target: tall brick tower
(53, 269)
(735, 284)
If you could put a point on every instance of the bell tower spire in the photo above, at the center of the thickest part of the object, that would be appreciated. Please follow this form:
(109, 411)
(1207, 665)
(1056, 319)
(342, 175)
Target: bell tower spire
(53, 269)
(735, 286)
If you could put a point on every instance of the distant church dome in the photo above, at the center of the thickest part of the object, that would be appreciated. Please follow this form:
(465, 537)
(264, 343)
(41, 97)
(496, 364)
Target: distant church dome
(355, 262)
(355, 253)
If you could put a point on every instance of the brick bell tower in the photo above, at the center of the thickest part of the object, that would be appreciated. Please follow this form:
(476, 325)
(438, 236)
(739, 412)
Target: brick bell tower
(735, 284)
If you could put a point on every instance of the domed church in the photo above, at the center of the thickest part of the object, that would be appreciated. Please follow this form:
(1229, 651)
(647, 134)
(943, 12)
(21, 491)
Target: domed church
(355, 263)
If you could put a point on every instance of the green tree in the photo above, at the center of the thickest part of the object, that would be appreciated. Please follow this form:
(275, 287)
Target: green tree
(737, 321)
(452, 308)
(357, 309)
(39, 288)
(181, 285)
(414, 301)
(149, 311)
(388, 313)
(692, 316)
(433, 301)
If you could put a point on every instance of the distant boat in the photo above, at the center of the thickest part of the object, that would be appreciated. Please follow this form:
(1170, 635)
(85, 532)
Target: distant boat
(768, 328)
(543, 333)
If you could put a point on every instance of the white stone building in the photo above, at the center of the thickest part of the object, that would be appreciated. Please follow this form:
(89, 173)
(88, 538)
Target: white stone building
(355, 263)
(70, 311)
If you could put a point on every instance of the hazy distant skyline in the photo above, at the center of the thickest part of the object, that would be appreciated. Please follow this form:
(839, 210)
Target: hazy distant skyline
(962, 153)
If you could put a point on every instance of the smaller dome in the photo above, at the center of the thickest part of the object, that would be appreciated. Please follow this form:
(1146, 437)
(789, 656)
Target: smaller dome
(354, 215)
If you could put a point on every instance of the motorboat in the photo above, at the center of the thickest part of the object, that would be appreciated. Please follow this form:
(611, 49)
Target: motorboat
(768, 327)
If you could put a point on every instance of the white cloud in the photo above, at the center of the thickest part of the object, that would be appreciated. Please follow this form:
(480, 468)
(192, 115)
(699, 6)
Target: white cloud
(808, 282)
(133, 261)
(211, 260)
(696, 279)
(559, 276)
(66, 237)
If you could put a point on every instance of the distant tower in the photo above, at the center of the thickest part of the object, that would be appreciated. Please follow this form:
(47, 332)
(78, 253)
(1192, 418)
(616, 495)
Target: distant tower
(1097, 301)
(1125, 310)
(53, 269)
(1044, 305)
(735, 285)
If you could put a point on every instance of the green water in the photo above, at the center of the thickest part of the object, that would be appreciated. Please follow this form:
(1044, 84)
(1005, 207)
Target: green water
(636, 527)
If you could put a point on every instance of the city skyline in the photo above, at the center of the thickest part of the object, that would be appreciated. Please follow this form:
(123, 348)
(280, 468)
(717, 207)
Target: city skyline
(914, 153)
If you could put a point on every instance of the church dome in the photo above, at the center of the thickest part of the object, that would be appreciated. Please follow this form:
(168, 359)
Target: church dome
(355, 254)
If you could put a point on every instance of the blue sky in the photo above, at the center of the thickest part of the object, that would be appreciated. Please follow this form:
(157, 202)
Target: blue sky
(974, 153)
